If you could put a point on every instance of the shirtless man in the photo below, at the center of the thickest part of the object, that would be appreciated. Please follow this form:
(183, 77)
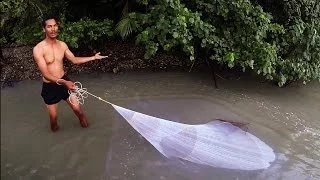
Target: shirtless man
(49, 55)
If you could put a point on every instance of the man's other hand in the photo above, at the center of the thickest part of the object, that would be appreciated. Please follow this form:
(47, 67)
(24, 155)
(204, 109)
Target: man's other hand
(98, 56)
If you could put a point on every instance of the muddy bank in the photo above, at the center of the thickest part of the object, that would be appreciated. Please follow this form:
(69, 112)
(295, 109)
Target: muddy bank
(18, 64)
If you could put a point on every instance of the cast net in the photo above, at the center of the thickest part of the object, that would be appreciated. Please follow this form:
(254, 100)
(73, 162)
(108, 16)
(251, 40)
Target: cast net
(217, 143)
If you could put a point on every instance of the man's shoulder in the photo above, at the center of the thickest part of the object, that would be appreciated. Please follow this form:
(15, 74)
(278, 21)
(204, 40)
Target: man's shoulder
(62, 43)
(38, 46)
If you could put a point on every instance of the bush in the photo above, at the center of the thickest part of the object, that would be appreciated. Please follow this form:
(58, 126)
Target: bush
(86, 32)
(299, 46)
(21, 20)
(237, 33)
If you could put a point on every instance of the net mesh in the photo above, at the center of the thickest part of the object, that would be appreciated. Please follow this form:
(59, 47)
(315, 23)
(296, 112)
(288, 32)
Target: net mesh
(217, 144)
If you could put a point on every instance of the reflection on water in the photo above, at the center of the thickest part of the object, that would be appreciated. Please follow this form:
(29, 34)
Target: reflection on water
(284, 118)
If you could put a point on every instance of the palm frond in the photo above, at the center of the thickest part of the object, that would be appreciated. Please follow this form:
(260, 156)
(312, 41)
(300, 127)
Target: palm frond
(124, 27)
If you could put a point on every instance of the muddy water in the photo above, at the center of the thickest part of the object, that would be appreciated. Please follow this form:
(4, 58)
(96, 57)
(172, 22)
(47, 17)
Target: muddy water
(287, 119)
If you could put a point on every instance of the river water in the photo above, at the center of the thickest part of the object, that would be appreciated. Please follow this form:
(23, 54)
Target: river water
(287, 119)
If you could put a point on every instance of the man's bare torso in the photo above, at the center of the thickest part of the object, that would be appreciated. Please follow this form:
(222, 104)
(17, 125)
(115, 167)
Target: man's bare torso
(53, 55)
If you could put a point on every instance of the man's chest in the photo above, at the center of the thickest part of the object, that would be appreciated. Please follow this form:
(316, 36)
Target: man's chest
(53, 54)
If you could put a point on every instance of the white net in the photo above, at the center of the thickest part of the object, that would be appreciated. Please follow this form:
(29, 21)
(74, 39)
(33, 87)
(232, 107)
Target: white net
(217, 144)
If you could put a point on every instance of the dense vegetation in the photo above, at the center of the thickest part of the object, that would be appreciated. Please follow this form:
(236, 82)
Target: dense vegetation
(278, 39)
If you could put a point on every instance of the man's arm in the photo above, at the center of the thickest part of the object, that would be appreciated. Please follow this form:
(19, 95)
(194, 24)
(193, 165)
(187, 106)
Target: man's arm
(79, 60)
(42, 65)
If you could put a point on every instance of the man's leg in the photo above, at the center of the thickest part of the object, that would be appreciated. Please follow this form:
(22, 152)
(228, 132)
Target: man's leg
(75, 106)
(52, 110)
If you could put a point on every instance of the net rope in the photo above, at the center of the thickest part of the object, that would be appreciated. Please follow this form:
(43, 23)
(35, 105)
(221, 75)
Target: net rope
(80, 93)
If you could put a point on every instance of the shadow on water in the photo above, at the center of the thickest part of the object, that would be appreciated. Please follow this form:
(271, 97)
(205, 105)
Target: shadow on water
(284, 118)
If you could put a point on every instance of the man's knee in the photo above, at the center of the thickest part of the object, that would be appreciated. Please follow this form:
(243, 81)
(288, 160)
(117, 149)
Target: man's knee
(52, 113)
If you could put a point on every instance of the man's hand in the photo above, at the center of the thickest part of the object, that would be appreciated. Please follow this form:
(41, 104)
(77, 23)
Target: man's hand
(70, 85)
(98, 56)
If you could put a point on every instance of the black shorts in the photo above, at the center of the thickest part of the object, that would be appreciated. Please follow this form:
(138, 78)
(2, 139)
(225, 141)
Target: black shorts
(53, 93)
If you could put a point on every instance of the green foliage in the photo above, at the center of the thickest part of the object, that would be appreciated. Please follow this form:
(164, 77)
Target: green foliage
(21, 19)
(306, 10)
(170, 25)
(301, 44)
(300, 52)
(22, 25)
(124, 27)
(278, 39)
(299, 48)
(236, 33)
(28, 35)
(245, 29)
(86, 32)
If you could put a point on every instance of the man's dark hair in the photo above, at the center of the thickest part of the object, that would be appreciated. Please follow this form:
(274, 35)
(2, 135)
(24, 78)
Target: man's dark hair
(47, 17)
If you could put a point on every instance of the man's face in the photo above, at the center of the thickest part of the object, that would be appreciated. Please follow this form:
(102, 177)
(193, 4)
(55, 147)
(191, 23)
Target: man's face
(51, 28)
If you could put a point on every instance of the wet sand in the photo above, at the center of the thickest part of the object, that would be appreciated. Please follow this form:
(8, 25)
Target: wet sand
(287, 119)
